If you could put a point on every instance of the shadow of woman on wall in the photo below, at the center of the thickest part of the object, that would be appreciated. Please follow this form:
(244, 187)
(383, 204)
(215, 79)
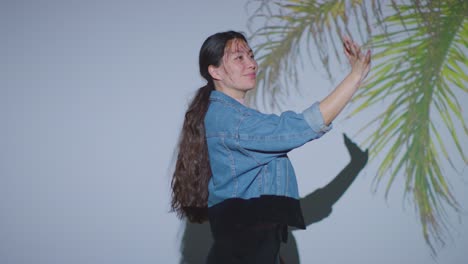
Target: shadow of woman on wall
(316, 206)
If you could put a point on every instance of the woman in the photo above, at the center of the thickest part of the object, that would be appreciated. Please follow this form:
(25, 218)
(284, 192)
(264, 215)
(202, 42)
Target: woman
(232, 166)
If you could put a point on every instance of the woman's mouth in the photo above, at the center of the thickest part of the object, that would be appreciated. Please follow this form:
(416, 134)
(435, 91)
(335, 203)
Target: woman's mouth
(252, 75)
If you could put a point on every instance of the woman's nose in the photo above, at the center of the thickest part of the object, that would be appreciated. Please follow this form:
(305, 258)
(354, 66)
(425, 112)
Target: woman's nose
(253, 64)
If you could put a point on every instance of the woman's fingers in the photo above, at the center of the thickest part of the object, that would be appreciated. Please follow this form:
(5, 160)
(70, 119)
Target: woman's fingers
(351, 48)
(347, 52)
(347, 46)
(357, 49)
(360, 60)
(368, 57)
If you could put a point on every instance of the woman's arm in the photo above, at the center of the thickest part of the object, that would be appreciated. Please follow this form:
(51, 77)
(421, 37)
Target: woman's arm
(334, 103)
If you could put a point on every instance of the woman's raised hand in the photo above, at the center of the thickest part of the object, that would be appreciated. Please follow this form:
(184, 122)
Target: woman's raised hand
(334, 103)
(360, 62)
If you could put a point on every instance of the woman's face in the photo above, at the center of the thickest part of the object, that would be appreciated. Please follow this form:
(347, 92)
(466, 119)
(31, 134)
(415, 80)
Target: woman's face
(237, 73)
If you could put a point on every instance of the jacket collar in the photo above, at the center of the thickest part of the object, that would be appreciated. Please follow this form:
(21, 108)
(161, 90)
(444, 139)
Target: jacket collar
(217, 95)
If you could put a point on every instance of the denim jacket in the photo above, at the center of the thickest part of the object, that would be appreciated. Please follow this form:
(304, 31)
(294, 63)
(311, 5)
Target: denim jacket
(248, 151)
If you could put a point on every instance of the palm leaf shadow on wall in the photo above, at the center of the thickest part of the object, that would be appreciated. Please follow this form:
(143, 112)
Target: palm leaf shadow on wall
(412, 97)
(196, 240)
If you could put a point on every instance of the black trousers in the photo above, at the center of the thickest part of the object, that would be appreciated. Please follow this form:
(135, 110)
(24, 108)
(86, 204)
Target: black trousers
(259, 244)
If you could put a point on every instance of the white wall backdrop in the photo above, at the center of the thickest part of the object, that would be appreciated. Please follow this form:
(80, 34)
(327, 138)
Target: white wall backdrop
(92, 96)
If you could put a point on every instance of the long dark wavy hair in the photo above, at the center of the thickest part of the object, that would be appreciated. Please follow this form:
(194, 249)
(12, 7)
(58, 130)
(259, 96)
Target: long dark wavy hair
(192, 170)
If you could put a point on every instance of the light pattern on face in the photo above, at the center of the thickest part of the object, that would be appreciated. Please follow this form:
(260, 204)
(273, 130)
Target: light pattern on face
(238, 69)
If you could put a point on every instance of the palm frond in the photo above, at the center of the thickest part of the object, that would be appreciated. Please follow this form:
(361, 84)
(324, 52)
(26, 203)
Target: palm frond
(420, 61)
(417, 71)
(291, 26)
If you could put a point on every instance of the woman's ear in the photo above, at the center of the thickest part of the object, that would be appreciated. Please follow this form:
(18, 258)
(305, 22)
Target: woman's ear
(214, 72)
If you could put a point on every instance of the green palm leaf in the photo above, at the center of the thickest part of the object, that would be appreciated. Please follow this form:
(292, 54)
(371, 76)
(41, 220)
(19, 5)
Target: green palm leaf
(419, 61)
(417, 69)
(294, 25)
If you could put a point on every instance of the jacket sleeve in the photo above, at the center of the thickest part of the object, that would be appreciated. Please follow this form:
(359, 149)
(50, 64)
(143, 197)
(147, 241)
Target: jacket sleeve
(277, 135)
